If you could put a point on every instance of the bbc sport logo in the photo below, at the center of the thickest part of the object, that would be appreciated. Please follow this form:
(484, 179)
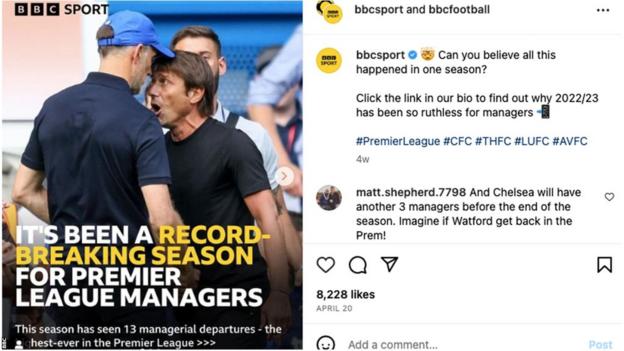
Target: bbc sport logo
(54, 9)
(37, 9)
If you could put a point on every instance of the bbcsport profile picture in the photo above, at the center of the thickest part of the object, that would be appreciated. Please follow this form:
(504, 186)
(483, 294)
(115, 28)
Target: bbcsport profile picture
(55, 9)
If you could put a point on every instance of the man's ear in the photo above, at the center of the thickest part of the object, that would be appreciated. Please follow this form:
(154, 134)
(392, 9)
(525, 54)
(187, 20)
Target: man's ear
(195, 95)
(222, 65)
(136, 53)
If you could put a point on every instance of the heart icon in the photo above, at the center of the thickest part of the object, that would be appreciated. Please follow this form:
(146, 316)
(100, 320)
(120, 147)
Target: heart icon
(609, 196)
(325, 263)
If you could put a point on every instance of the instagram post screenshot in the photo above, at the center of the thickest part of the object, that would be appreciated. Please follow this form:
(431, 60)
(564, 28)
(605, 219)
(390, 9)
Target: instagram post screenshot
(142, 207)
(463, 188)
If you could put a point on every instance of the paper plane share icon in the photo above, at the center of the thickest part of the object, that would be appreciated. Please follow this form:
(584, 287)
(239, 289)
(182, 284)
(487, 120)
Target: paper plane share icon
(390, 261)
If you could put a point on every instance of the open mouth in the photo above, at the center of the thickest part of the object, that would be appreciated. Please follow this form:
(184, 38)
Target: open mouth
(155, 108)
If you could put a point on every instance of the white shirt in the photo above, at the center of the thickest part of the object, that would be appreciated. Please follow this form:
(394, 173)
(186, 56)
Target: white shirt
(259, 136)
(293, 203)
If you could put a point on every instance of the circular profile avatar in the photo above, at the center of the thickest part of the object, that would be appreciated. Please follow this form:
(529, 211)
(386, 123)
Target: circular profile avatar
(328, 197)
(328, 60)
(325, 342)
(330, 11)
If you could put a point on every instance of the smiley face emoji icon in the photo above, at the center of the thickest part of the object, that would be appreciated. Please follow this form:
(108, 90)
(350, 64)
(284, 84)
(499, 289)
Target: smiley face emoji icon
(325, 342)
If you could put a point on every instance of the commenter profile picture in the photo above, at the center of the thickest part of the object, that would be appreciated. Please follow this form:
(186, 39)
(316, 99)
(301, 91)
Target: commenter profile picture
(331, 12)
(328, 60)
(329, 197)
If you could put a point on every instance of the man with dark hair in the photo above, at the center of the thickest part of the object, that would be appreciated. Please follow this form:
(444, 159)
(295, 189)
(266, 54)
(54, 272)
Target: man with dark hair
(204, 41)
(211, 54)
(104, 159)
(218, 179)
